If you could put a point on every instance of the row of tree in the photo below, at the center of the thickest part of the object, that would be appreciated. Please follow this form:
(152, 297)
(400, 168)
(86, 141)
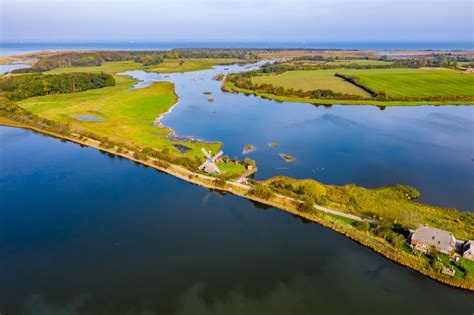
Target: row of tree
(28, 85)
(146, 57)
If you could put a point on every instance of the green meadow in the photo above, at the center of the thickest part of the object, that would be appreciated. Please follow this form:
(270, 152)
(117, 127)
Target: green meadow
(308, 80)
(168, 66)
(360, 62)
(423, 82)
(128, 116)
(190, 64)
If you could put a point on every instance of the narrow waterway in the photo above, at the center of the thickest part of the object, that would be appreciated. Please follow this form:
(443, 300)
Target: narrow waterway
(82, 232)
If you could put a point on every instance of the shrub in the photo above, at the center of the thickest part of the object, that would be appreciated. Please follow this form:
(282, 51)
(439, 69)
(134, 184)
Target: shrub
(261, 191)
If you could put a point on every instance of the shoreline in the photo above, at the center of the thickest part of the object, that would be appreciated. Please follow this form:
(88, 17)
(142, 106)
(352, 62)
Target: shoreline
(231, 88)
(284, 203)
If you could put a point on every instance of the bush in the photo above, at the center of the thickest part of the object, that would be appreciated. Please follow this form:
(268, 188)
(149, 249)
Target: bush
(363, 226)
(261, 191)
(307, 205)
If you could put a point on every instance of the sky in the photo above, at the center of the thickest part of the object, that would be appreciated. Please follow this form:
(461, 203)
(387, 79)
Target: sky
(237, 20)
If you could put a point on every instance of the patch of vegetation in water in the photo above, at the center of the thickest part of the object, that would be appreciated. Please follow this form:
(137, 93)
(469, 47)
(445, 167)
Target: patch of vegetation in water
(287, 157)
(248, 148)
(207, 93)
(219, 77)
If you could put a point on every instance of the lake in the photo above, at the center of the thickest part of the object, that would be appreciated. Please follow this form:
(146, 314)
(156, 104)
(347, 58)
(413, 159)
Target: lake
(82, 232)
(428, 147)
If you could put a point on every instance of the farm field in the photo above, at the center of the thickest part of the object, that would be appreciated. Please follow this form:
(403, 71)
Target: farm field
(360, 62)
(424, 83)
(168, 66)
(108, 67)
(311, 80)
(421, 82)
(191, 64)
(127, 116)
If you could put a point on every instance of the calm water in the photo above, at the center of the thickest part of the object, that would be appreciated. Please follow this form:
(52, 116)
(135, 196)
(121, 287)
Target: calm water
(430, 148)
(84, 233)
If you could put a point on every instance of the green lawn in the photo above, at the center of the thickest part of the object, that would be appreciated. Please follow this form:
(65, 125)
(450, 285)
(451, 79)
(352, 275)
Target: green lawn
(230, 170)
(360, 62)
(421, 82)
(128, 115)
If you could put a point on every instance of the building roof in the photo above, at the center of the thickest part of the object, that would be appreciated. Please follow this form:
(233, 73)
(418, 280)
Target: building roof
(469, 247)
(434, 237)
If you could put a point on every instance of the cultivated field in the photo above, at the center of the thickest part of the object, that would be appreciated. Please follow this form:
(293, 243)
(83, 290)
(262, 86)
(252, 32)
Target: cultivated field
(109, 67)
(422, 82)
(311, 80)
(191, 64)
(360, 62)
(168, 66)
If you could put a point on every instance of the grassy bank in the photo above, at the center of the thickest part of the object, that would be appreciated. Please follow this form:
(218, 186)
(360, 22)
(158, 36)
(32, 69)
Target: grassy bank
(126, 116)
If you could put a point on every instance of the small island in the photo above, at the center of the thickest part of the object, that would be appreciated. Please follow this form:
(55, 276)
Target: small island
(248, 148)
(287, 157)
(273, 144)
(210, 100)
(219, 77)
(207, 93)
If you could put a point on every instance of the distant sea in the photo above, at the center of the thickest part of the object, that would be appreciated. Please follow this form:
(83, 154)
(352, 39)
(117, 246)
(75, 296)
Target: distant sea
(14, 48)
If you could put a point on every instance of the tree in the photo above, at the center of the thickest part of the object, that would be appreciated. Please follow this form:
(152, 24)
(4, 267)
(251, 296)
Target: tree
(307, 205)
(437, 265)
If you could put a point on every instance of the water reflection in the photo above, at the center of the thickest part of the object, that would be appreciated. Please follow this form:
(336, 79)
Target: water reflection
(81, 233)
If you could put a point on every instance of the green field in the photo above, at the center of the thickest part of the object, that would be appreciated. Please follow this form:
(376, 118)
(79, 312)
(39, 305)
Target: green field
(191, 64)
(109, 67)
(422, 82)
(128, 115)
(360, 62)
(307, 80)
(168, 66)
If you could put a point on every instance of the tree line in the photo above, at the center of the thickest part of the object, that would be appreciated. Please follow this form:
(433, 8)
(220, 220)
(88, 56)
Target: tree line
(145, 57)
(29, 85)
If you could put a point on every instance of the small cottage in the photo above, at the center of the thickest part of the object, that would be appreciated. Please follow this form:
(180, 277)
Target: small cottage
(468, 250)
(426, 237)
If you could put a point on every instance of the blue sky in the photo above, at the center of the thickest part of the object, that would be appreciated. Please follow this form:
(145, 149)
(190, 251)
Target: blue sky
(237, 20)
